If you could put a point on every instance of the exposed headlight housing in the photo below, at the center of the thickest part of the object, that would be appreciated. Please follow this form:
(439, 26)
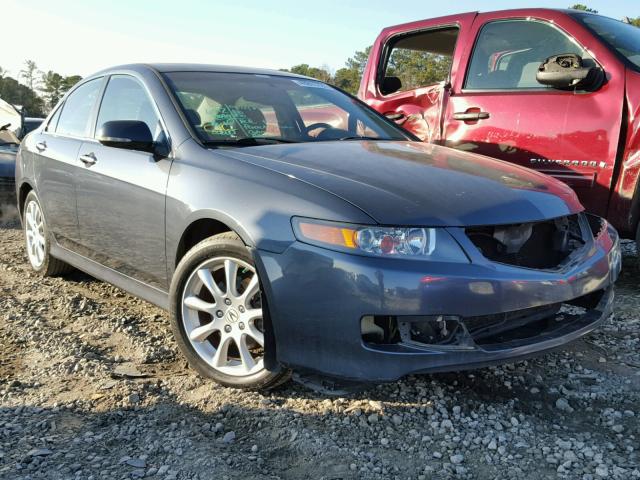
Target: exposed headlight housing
(401, 242)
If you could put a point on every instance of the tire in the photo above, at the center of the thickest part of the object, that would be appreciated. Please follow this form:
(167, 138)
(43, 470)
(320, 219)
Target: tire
(216, 328)
(38, 240)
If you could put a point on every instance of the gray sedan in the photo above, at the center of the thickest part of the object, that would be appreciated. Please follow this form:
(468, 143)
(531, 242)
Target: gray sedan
(287, 226)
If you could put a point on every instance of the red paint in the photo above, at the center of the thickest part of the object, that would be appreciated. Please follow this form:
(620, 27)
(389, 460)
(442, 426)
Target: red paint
(531, 128)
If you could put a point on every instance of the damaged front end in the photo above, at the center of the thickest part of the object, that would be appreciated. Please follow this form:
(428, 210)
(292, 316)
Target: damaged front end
(525, 288)
(547, 251)
(537, 245)
(494, 332)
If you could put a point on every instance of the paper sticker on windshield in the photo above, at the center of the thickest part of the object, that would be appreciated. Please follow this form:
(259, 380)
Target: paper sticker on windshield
(310, 84)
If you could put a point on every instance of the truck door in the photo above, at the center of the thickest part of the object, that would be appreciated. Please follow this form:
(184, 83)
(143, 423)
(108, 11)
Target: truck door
(408, 75)
(497, 108)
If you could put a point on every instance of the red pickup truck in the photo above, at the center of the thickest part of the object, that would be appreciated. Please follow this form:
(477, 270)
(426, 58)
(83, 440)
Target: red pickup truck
(555, 90)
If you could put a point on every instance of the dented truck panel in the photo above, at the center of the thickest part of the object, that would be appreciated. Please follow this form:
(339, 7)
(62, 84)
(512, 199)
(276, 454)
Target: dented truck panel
(579, 137)
(624, 209)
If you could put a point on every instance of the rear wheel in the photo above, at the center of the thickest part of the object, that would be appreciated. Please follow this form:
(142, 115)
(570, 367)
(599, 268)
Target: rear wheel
(37, 240)
(217, 314)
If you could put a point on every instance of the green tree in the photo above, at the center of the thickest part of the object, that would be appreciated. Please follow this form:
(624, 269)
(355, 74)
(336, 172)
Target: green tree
(314, 72)
(584, 8)
(417, 68)
(28, 74)
(348, 78)
(17, 94)
(70, 81)
(54, 86)
(633, 21)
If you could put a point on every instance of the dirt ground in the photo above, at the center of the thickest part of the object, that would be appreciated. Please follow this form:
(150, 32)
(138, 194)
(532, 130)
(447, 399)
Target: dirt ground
(92, 387)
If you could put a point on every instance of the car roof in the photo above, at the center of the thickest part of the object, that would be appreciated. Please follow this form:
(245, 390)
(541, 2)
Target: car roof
(197, 67)
(524, 12)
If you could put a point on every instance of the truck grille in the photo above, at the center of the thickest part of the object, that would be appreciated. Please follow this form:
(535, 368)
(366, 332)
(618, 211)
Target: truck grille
(538, 245)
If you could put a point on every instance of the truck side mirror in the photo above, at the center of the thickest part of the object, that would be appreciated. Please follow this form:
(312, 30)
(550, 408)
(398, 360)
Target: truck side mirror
(567, 71)
(390, 85)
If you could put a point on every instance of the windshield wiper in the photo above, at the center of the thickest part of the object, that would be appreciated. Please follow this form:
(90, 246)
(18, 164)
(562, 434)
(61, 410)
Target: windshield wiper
(247, 142)
(358, 137)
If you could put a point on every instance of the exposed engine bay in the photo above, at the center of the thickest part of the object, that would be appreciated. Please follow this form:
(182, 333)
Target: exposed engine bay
(540, 245)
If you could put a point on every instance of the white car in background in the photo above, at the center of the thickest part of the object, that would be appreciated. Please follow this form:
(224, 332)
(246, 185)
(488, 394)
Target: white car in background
(11, 124)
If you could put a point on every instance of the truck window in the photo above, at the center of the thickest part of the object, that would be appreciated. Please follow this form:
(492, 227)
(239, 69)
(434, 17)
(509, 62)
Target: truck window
(508, 53)
(420, 59)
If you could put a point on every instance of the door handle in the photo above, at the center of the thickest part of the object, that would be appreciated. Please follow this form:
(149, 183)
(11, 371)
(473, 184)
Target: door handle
(471, 116)
(395, 116)
(41, 146)
(88, 159)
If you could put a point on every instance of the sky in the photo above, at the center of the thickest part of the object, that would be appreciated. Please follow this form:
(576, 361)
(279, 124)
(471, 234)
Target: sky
(81, 37)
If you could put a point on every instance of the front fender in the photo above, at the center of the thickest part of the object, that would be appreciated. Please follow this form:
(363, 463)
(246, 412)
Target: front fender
(255, 202)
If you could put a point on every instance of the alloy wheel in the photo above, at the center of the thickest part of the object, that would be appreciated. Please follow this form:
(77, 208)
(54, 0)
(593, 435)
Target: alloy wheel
(222, 316)
(34, 230)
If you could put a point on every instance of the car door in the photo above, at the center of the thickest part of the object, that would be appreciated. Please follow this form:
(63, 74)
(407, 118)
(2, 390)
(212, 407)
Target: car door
(56, 154)
(411, 81)
(121, 192)
(499, 109)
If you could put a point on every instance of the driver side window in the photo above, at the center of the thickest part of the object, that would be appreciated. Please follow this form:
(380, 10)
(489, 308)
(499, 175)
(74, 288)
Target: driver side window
(126, 99)
(508, 53)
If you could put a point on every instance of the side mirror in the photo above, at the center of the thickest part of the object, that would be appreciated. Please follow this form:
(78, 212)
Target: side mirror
(127, 134)
(390, 85)
(567, 71)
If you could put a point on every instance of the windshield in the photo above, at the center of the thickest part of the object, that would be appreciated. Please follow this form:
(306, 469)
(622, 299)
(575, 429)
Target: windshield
(238, 109)
(622, 37)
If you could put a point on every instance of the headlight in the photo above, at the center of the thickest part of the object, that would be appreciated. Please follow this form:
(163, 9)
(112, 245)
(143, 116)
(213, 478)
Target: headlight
(433, 244)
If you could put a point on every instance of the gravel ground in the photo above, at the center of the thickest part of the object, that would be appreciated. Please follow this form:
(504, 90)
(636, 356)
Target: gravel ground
(92, 387)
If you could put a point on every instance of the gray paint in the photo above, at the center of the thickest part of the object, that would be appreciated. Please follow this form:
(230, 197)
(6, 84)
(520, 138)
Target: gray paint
(132, 210)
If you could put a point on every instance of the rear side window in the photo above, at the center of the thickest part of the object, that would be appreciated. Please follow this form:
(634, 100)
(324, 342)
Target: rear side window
(421, 59)
(77, 109)
(126, 99)
(508, 53)
(53, 123)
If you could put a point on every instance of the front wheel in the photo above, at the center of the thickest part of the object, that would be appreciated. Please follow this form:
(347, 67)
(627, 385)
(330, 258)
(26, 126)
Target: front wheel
(217, 315)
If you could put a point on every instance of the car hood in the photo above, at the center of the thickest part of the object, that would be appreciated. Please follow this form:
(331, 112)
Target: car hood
(412, 183)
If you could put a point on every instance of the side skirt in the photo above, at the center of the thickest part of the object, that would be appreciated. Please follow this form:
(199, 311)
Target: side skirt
(131, 285)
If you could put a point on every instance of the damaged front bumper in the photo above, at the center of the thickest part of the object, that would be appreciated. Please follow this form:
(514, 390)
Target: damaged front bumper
(378, 319)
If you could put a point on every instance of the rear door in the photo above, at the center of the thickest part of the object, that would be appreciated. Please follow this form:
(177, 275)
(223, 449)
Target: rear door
(121, 193)
(409, 83)
(57, 165)
(498, 109)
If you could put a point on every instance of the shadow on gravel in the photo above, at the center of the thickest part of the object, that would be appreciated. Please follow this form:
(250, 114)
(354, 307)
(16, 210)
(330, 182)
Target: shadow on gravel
(386, 431)
(80, 277)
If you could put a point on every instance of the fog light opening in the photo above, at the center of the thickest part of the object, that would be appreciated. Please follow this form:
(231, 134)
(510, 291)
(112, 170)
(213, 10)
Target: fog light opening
(418, 331)
(440, 330)
(380, 330)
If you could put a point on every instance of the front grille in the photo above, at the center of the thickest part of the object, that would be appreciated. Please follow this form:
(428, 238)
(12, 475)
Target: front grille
(539, 245)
